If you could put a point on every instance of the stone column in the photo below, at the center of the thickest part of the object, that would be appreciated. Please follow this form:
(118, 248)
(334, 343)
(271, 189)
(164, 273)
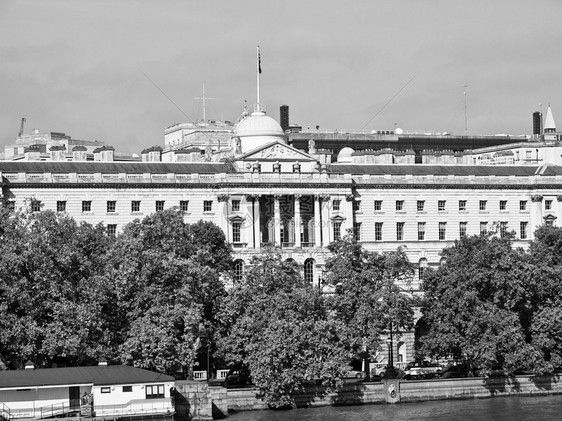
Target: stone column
(324, 209)
(558, 210)
(297, 220)
(348, 214)
(277, 219)
(536, 212)
(252, 222)
(223, 215)
(317, 221)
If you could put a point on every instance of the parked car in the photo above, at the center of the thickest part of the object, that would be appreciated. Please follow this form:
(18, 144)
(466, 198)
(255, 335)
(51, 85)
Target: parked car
(456, 372)
(354, 374)
(419, 370)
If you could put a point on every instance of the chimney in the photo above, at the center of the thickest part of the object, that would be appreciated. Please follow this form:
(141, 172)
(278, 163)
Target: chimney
(152, 154)
(32, 153)
(58, 153)
(79, 153)
(104, 153)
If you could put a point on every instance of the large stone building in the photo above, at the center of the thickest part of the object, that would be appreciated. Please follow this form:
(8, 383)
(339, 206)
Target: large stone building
(260, 189)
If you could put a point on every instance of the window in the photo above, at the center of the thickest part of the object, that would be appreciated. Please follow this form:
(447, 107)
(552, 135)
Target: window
(462, 205)
(400, 205)
(378, 231)
(422, 268)
(421, 205)
(111, 230)
(503, 205)
(105, 390)
(503, 229)
(357, 205)
(462, 229)
(236, 206)
(442, 230)
(238, 270)
(336, 205)
(421, 231)
(159, 205)
(522, 205)
(309, 270)
(548, 204)
(86, 205)
(184, 205)
(523, 230)
(111, 205)
(35, 205)
(154, 391)
(400, 231)
(127, 388)
(441, 205)
(483, 204)
(207, 205)
(337, 230)
(378, 205)
(483, 227)
(61, 205)
(135, 206)
(357, 231)
(236, 232)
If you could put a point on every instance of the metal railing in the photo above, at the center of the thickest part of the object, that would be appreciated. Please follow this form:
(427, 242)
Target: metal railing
(5, 412)
(135, 408)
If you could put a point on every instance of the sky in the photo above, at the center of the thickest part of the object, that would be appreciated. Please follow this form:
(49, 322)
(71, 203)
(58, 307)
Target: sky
(121, 71)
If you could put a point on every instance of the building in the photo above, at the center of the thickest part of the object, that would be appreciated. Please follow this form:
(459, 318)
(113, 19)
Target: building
(262, 189)
(103, 391)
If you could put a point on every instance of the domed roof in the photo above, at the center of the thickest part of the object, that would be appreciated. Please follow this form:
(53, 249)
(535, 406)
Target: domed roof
(258, 124)
(345, 154)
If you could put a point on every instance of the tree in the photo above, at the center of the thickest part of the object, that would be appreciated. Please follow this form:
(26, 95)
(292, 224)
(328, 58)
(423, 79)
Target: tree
(280, 328)
(368, 300)
(477, 305)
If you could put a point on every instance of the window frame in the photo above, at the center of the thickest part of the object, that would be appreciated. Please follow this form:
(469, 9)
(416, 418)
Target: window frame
(135, 206)
(207, 205)
(111, 206)
(421, 231)
(400, 231)
(420, 205)
(61, 205)
(377, 205)
(86, 205)
(378, 231)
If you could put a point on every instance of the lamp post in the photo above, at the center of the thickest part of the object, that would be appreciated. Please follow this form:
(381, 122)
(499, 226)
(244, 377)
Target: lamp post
(390, 372)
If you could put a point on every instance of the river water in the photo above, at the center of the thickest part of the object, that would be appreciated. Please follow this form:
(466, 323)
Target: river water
(509, 408)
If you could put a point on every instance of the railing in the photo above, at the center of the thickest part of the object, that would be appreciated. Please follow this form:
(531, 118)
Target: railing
(221, 374)
(5, 412)
(56, 409)
(199, 375)
(140, 407)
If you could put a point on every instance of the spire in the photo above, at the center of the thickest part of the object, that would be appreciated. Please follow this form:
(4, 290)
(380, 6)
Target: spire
(549, 125)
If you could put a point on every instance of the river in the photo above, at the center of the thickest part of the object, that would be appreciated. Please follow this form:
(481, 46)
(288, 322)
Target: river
(509, 408)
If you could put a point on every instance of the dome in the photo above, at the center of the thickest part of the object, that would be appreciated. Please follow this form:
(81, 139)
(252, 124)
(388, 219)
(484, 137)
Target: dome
(345, 154)
(257, 130)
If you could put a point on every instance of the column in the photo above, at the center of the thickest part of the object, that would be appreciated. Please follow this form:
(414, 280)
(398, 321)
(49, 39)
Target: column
(277, 219)
(297, 220)
(253, 224)
(536, 212)
(326, 225)
(317, 221)
(348, 214)
(223, 215)
(559, 210)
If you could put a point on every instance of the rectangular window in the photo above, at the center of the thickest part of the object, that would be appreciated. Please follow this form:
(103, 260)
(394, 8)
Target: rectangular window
(112, 230)
(236, 206)
(483, 204)
(503, 229)
(421, 231)
(154, 391)
(86, 205)
(378, 231)
(61, 205)
(184, 205)
(523, 230)
(483, 227)
(337, 230)
(35, 206)
(503, 205)
(357, 231)
(378, 205)
(357, 205)
(441, 205)
(462, 205)
(421, 205)
(135, 205)
(399, 205)
(522, 205)
(127, 388)
(236, 232)
(462, 229)
(111, 205)
(442, 230)
(336, 203)
(159, 205)
(548, 204)
(400, 231)
(207, 205)
(105, 390)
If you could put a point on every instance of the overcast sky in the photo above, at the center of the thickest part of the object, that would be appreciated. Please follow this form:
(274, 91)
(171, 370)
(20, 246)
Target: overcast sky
(89, 68)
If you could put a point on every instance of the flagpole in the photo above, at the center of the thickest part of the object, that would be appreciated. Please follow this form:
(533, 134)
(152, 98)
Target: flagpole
(258, 72)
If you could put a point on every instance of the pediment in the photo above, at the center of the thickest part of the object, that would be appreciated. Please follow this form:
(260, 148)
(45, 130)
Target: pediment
(277, 151)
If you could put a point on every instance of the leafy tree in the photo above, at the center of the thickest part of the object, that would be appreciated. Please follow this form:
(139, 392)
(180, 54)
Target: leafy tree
(478, 304)
(280, 328)
(368, 299)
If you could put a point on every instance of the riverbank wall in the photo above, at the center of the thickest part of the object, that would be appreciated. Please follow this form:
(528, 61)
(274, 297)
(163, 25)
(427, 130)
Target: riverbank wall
(214, 402)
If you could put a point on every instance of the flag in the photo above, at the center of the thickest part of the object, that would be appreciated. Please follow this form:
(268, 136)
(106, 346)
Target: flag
(259, 62)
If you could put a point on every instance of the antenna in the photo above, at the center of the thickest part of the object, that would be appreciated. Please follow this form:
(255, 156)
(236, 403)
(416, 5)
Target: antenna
(465, 119)
(258, 72)
(204, 98)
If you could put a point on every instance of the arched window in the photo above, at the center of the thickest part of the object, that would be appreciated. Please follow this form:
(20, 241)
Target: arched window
(238, 270)
(442, 262)
(309, 270)
(422, 268)
(401, 352)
